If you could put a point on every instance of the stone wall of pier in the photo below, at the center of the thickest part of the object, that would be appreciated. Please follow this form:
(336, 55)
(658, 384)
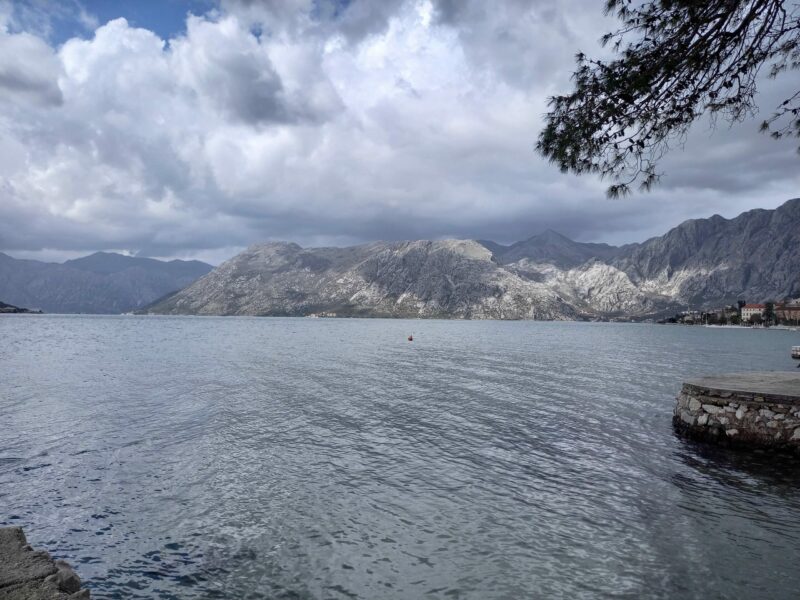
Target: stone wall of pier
(738, 418)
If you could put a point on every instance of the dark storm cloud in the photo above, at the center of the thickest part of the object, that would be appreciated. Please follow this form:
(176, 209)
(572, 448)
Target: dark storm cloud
(331, 123)
(735, 158)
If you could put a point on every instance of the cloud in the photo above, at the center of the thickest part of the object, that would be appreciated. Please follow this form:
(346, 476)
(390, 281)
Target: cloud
(528, 43)
(42, 18)
(328, 123)
(228, 67)
(29, 70)
(353, 20)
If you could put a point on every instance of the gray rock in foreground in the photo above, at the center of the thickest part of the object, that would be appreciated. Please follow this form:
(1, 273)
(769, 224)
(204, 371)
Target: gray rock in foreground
(28, 574)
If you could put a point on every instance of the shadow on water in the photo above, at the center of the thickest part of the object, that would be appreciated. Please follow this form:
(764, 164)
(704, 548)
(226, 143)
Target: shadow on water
(734, 466)
(211, 568)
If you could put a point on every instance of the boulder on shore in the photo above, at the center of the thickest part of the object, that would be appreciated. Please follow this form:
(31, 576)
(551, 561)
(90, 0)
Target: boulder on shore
(28, 574)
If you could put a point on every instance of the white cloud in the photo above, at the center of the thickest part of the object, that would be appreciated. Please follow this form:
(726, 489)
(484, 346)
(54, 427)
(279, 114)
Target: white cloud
(287, 120)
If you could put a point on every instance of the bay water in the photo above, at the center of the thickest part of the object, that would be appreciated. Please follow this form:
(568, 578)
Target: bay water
(184, 457)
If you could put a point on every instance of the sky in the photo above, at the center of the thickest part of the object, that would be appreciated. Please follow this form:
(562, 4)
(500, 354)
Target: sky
(194, 129)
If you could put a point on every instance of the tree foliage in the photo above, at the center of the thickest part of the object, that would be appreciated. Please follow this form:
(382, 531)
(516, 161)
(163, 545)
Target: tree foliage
(674, 60)
(769, 313)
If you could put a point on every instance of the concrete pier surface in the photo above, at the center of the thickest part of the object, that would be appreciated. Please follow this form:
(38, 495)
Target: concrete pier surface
(776, 385)
(28, 574)
(760, 409)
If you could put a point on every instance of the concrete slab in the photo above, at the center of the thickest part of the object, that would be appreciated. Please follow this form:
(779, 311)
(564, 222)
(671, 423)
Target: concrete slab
(771, 386)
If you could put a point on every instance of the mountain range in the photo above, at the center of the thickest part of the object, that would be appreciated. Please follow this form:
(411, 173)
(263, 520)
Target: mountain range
(701, 262)
(103, 282)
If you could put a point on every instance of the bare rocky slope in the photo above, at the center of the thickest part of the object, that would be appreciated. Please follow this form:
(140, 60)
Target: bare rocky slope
(704, 262)
(451, 278)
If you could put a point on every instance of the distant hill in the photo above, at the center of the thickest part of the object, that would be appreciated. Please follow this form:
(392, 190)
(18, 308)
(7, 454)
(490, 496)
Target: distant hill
(106, 263)
(99, 283)
(8, 308)
(702, 262)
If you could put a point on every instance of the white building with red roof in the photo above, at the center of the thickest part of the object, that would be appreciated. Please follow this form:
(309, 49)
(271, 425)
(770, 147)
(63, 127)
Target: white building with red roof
(748, 310)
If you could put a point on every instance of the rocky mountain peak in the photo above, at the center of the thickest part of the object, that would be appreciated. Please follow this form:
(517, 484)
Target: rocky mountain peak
(702, 262)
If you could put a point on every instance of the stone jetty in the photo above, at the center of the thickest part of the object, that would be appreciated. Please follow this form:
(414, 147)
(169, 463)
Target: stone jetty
(742, 409)
(28, 574)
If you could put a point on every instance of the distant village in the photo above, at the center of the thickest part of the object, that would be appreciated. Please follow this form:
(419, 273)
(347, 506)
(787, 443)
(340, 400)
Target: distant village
(768, 314)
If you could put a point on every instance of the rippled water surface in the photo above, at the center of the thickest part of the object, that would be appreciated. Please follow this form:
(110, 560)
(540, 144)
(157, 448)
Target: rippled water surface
(313, 458)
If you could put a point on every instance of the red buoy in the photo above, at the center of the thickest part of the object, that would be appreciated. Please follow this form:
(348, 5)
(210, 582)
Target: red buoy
(411, 338)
